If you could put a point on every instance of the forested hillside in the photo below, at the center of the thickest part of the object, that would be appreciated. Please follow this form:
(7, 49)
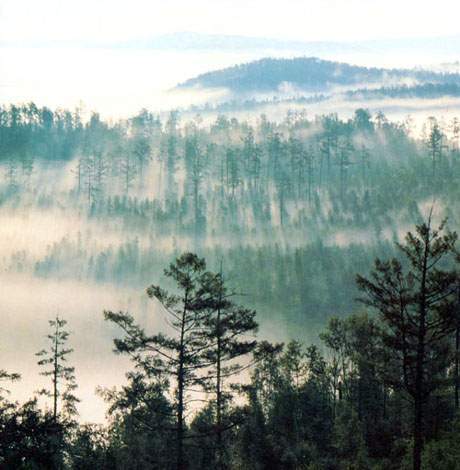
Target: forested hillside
(269, 231)
(310, 74)
(294, 208)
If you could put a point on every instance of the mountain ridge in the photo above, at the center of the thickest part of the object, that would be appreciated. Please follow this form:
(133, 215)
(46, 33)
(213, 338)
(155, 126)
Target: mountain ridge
(308, 73)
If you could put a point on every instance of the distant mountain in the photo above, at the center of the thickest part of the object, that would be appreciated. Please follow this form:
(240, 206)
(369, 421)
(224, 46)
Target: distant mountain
(232, 43)
(428, 46)
(190, 41)
(435, 46)
(310, 74)
(198, 41)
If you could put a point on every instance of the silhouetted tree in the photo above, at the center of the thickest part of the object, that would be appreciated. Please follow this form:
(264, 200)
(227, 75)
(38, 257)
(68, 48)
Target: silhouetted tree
(416, 305)
(180, 354)
(54, 360)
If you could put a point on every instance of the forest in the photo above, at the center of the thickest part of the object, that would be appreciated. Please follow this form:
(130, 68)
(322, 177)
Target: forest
(310, 74)
(314, 199)
(423, 92)
(339, 233)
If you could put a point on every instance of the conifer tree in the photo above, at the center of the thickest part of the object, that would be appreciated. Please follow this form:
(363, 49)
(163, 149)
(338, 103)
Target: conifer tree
(416, 302)
(178, 355)
(54, 361)
(228, 333)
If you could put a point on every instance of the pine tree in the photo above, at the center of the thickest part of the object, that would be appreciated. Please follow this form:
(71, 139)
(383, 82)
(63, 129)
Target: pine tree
(54, 360)
(228, 331)
(178, 356)
(416, 304)
(435, 145)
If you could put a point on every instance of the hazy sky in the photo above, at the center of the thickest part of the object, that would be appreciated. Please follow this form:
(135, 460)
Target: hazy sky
(118, 81)
(296, 19)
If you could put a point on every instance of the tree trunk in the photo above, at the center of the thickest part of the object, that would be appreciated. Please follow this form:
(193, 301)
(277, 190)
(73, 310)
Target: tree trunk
(418, 435)
(220, 463)
(457, 358)
(195, 204)
(180, 395)
(419, 372)
(55, 373)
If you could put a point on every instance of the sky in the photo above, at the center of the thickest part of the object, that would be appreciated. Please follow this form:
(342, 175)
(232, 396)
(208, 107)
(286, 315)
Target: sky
(118, 82)
(107, 20)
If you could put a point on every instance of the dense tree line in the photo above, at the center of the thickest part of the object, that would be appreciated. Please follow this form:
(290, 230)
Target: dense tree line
(379, 390)
(300, 198)
(264, 176)
(425, 91)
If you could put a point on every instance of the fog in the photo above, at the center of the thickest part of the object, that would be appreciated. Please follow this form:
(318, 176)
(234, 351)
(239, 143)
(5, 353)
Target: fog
(292, 220)
(27, 305)
(398, 110)
(117, 82)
